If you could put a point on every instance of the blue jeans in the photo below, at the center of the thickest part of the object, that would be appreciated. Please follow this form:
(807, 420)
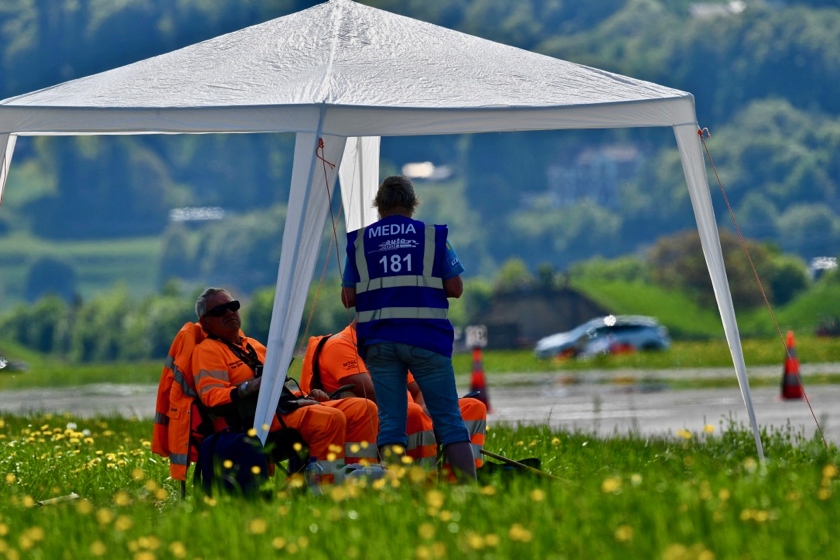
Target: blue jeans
(388, 364)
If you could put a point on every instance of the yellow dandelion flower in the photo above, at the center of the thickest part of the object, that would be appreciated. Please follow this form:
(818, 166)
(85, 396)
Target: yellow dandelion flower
(4, 529)
(25, 542)
(611, 484)
(675, 551)
(685, 434)
(161, 494)
(555, 441)
(138, 474)
(283, 510)
(445, 516)
(145, 555)
(121, 499)
(422, 553)
(520, 443)
(84, 507)
(365, 445)
(519, 533)
(97, 548)
(99, 452)
(488, 490)
(537, 495)
(28, 501)
(491, 540)
(297, 481)
(355, 448)
(257, 526)
(708, 428)
(338, 493)
(624, 533)
(378, 484)
(331, 456)
(104, 516)
(256, 469)
(10, 478)
(439, 550)
(123, 523)
(151, 485)
(824, 494)
(265, 427)
(750, 465)
(252, 432)
(475, 541)
(406, 460)
(227, 464)
(417, 475)
(829, 471)
(210, 501)
(426, 531)
(178, 550)
(723, 494)
(151, 542)
(335, 448)
(278, 543)
(793, 496)
(635, 479)
(435, 498)
(303, 542)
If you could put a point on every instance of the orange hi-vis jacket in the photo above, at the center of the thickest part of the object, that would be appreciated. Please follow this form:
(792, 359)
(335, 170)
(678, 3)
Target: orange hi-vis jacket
(173, 409)
(325, 427)
(338, 359)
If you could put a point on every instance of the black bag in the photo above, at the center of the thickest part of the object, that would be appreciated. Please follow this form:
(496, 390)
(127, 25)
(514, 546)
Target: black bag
(247, 469)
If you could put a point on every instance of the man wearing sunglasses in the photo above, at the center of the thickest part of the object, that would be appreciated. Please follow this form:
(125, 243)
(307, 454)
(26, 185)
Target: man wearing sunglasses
(227, 366)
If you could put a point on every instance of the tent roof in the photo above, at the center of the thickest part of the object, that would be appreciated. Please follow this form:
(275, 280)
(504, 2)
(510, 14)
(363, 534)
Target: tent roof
(339, 54)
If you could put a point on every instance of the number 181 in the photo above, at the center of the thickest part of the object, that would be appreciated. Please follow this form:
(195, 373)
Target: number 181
(396, 263)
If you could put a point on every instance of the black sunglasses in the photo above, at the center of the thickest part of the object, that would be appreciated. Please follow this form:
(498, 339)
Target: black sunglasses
(220, 310)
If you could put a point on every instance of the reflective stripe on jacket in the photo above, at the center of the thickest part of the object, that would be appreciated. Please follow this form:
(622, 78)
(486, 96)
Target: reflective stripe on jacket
(173, 409)
(399, 289)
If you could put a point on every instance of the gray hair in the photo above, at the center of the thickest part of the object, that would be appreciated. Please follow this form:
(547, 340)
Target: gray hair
(201, 302)
(396, 193)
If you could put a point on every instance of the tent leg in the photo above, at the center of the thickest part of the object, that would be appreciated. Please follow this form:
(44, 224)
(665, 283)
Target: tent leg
(698, 189)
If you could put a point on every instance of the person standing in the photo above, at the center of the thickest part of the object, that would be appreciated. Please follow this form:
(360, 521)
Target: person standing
(398, 276)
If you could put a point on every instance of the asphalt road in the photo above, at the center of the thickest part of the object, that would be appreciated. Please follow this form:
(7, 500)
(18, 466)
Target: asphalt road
(611, 402)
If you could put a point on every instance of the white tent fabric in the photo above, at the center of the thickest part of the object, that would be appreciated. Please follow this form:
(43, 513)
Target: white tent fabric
(343, 70)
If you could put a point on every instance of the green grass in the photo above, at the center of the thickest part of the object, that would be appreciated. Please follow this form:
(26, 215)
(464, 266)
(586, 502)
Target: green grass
(98, 264)
(681, 314)
(49, 372)
(694, 495)
(683, 354)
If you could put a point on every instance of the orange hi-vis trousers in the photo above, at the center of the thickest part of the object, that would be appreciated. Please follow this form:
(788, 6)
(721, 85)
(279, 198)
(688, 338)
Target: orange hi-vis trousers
(362, 418)
(422, 446)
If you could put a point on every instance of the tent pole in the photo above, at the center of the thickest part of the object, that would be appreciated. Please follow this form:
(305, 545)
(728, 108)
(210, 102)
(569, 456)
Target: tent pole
(305, 221)
(698, 189)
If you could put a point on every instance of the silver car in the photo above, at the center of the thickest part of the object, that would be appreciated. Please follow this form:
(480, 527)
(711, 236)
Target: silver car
(605, 335)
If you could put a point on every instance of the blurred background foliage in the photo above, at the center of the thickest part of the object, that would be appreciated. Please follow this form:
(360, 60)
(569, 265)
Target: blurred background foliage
(82, 214)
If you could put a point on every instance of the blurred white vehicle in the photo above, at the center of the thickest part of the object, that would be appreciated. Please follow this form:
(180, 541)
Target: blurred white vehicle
(604, 335)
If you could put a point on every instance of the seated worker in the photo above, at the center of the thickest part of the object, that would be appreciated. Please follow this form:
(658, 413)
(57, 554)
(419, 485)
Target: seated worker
(225, 365)
(339, 364)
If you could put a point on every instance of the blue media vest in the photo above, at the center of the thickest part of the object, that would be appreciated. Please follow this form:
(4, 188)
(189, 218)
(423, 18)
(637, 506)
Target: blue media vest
(399, 284)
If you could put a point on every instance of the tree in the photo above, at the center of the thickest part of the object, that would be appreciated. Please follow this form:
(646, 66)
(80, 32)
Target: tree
(677, 262)
(50, 275)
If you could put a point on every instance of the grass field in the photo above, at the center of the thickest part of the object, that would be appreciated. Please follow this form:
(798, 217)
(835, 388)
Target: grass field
(697, 495)
(98, 264)
(46, 372)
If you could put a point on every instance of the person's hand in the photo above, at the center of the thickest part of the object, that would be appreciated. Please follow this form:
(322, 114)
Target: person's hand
(318, 395)
(250, 387)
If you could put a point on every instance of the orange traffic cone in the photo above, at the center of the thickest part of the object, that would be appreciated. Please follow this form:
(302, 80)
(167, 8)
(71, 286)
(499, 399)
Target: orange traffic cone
(791, 385)
(477, 381)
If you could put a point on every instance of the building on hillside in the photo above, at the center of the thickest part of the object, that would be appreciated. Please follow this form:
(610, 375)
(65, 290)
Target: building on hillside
(518, 318)
(594, 174)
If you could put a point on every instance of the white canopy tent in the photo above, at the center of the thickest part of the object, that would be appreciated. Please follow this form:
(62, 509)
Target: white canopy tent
(342, 75)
